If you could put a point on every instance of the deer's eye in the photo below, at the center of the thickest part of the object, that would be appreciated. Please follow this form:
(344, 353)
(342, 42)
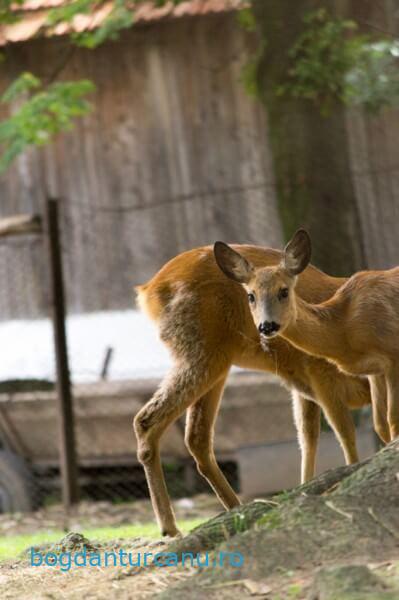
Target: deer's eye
(283, 293)
(251, 298)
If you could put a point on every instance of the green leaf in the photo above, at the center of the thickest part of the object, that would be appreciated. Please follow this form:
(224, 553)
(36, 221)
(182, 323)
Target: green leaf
(24, 83)
(121, 17)
(67, 12)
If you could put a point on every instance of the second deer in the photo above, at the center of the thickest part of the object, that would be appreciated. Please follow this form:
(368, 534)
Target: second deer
(357, 329)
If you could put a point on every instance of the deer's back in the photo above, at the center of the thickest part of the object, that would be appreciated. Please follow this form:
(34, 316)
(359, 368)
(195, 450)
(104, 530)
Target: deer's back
(196, 271)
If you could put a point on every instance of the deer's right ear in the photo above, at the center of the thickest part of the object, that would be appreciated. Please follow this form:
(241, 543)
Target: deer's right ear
(232, 264)
(297, 253)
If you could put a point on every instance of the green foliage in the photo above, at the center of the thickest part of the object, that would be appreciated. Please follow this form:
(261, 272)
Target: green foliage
(67, 12)
(249, 77)
(25, 83)
(321, 58)
(331, 64)
(6, 14)
(120, 17)
(246, 19)
(45, 113)
(374, 81)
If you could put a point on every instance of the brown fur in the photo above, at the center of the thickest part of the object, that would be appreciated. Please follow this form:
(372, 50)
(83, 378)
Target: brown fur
(205, 321)
(358, 330)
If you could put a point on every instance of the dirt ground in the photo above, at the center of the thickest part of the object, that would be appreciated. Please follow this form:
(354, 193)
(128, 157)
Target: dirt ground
(19, 580)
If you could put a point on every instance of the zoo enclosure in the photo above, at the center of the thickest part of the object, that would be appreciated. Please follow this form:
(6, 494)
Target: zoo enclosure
(175, 155)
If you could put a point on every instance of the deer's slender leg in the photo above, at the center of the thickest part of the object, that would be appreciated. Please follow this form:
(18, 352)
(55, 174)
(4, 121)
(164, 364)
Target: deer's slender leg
(331, 394)
(201, 418)
(183, 386)
(379, 394)
(340, 419)
(307, 422)
(338, 415)
(392, 381)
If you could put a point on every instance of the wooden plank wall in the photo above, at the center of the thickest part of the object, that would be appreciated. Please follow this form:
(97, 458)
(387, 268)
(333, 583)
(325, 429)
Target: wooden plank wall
(375, 170)
(374, 153)
(175, 155)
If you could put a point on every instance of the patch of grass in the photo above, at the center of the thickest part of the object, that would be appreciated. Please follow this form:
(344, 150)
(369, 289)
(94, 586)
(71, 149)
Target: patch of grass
(294, 590)
(240, 523)
(270, 520)
(12, 546)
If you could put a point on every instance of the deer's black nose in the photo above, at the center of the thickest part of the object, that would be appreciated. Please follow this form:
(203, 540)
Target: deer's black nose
(268, 327)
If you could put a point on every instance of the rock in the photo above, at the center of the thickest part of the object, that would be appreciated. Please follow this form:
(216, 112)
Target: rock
(349, 582)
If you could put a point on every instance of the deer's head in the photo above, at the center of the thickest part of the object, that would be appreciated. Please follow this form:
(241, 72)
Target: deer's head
(270, 290)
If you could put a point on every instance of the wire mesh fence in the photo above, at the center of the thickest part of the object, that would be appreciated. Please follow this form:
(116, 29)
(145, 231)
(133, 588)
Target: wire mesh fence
(116, 359)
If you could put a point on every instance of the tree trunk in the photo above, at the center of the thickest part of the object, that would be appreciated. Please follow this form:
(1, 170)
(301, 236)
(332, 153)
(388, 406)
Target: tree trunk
(310, 151)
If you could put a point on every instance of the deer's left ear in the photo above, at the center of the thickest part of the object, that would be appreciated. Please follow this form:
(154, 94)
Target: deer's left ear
(233, 264)
(297, 253)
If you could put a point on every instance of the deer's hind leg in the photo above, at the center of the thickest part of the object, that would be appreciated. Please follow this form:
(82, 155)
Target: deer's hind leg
(392, 382)
(379, 394)
(332, 391)
(185, 384)
(200, 423)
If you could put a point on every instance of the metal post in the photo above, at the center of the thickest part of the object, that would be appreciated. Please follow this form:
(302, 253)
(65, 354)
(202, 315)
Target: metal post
(107, 361)
(68, 462)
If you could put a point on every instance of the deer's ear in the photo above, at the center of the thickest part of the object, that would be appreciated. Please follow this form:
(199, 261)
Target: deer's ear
(297, 253)
(232, 264)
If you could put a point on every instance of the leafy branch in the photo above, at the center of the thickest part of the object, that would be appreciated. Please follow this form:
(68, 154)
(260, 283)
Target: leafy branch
(47, 108)
(46, 112)
(330, 63)
(120, 17)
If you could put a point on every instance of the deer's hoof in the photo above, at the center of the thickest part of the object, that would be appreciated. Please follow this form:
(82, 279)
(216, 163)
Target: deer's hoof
(173, 533)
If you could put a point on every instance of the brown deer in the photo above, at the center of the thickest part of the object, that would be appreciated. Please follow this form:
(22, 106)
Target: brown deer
(205, 320)
(357, 329)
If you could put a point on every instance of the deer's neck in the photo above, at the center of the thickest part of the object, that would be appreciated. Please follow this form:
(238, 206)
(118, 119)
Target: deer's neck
(318, 330)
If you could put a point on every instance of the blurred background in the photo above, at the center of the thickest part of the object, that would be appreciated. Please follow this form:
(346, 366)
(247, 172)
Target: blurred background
(208, 120)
